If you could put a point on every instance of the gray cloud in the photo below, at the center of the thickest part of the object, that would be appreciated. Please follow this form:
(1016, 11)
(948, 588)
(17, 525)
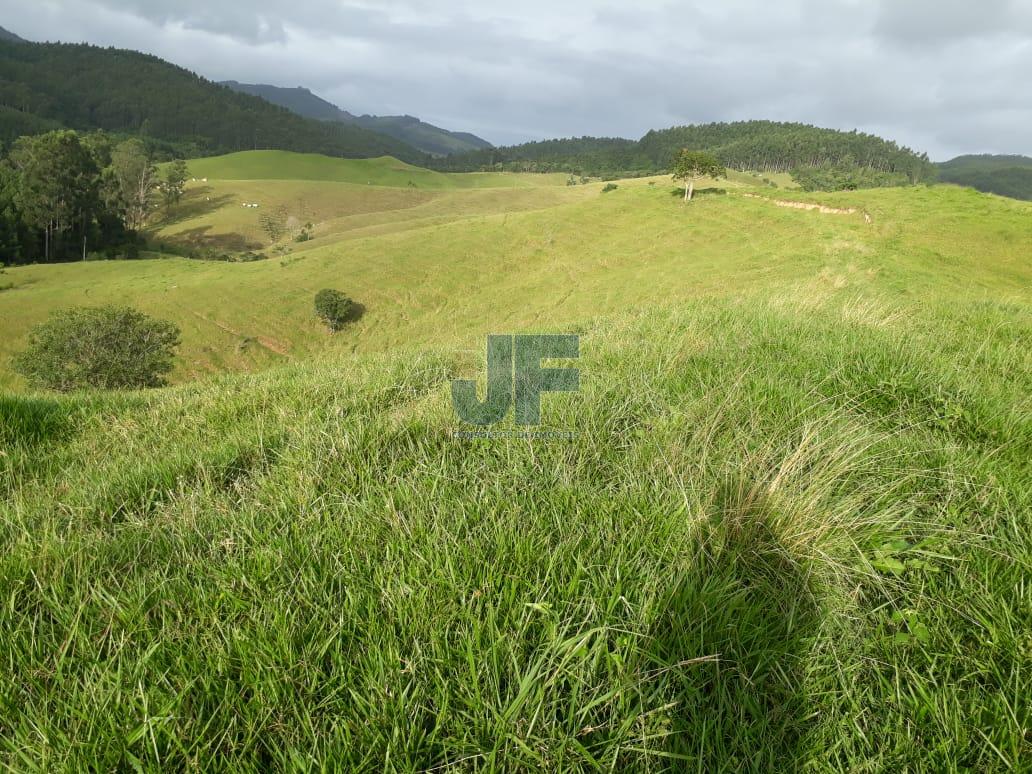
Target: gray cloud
(942, 79)
(935, 23)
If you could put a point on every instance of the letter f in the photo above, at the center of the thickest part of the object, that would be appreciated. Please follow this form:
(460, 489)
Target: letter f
(532, 379)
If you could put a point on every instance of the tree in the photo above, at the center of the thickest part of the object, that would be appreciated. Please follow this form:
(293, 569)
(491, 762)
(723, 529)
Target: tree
(100, 146)
(335, 309)
(57, 186)
(174, 184)
(274, 223)
(103, 347)
(131, 182)
(693, 165)
(13, 233)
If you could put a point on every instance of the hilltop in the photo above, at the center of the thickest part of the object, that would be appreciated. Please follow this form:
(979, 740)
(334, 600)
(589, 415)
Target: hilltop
(409, 129)
(43, 85)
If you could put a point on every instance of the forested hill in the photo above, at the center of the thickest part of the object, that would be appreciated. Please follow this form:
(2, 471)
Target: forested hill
(1004, 175)
(756, 145)
(10, 36)
(409, 129)
(44, 85)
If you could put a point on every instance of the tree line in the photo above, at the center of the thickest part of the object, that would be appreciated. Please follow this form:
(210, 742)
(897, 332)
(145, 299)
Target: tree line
(763, 146)
(66, 196)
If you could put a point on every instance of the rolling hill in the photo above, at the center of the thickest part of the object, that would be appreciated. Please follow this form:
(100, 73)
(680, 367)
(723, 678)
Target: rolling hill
(791, 492)
(383, 171)
(1004, 175)
(422, 136)
(86, 87)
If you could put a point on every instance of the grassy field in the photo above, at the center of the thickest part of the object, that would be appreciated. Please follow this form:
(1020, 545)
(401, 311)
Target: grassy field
(384, 171)
(790, 530)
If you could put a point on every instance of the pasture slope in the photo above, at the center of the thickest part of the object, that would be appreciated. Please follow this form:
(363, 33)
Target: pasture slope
(790, 530)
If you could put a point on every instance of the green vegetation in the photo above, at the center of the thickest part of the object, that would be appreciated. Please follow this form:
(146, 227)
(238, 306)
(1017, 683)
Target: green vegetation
(1004, 175)
(274, 223)
(334, 308)
(105, 348)
(62, 194)
(692, 166)
(175, 111)
(764, 146)
(173, 185)
(789, 532)
(844, 176)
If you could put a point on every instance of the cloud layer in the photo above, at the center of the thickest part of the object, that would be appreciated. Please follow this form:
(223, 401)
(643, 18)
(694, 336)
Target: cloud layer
(948, 78)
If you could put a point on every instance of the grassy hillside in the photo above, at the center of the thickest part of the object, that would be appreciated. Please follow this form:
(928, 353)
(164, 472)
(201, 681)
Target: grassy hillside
(438, 264)
(784, 526)
(383, 171)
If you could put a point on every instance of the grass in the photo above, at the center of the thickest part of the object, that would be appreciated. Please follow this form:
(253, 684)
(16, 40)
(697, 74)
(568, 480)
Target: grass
(450, 270)
(790, 531)
(383, 171)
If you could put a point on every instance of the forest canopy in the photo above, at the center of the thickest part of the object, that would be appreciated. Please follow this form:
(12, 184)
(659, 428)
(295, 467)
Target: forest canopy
(1003, 175)
(71, 196)
(46, 86)
(763, 146)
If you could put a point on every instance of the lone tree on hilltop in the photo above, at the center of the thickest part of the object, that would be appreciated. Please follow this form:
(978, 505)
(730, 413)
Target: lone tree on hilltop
(693, 165)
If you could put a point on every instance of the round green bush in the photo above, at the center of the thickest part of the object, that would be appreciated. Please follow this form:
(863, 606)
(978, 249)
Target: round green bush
(107, 348)
(334, 308)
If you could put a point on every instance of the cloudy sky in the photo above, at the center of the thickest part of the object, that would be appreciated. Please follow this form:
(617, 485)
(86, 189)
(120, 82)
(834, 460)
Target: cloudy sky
(945, 76)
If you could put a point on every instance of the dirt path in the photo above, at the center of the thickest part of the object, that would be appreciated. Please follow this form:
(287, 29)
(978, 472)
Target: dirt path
(270, 344)
(823, 209)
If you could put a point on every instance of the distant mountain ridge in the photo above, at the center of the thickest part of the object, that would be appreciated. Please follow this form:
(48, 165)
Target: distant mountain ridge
(409, 129)
(10, 37)
(1003, 175)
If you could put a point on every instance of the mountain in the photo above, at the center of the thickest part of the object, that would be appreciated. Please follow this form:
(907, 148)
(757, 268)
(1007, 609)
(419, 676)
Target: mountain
(409, 129)
(766, 146)
(1004, 175)
(10, 37)
(84, 87)
(426, 137)
(298, 100)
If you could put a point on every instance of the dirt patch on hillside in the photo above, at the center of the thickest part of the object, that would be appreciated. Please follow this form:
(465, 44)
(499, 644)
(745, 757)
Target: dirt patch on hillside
(821, 208)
